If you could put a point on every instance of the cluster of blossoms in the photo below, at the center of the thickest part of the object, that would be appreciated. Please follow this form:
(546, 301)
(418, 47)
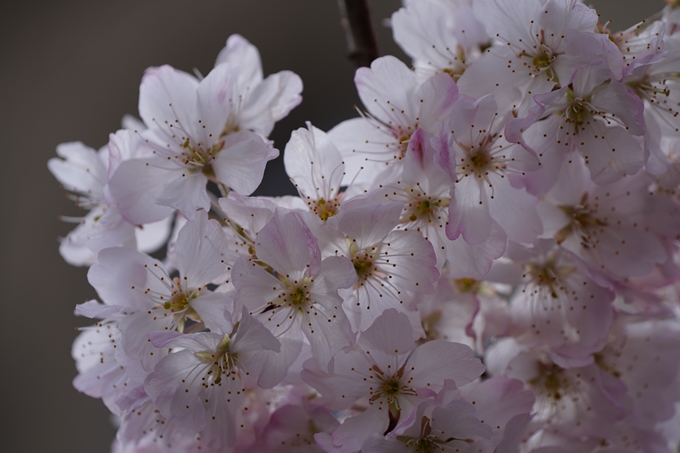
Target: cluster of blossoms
(484, 261)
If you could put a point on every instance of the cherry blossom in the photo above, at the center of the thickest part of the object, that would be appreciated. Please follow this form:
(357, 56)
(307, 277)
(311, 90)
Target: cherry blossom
(397, 104)
(394, 374)
(85, 173)
(201, 387)
(490, 270)
(315, 167)
(186, 122)
(528, 57)
(440, 36)
(300, 293)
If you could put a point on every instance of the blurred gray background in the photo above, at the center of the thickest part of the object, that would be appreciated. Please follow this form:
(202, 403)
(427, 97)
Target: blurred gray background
(70, 69)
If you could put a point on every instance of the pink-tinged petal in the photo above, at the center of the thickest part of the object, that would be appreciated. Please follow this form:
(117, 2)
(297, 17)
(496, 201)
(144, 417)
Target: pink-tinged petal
(199, 250)
(441, 168)
(170, 388)
(367, 224)
(498, 72)
(273, 367)
(436, 97)
(110, 230)
(469, 212)
(516, 21)
(474, 261)
(135, 329)
(99, 372)
(255, 287)
(270, 101)
(335, 272)
(344, 386)
(515, 212)
(125, 145)
(93, 309)
(313, 163)
(152, 236)
(241, 162)
(215, 105)
(355, 430)
(135, 187)
(389, 334)
(545, 138)
(328, 331)
(646, 355)
(81, 169)
(122, 276)
(457, 419)
(292, 427)
(211, 309)
(409, 260)
(386, 89)
(498, 399)
(102, 227)
(432, 33)
(288, 245)
(251, 213)
(163, 338)
(239, 52)
(620, 101)
(610, 153)
(325, 442)
(466, 113)
(628, 251)
(433, 362)
(593, 45)
(377, 443)
(252, 336)
(74, 251)
(513, 434)
(358, 141)
(167, 97)
(186, 193)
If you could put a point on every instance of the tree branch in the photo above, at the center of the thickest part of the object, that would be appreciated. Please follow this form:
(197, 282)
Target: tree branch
(361, 41)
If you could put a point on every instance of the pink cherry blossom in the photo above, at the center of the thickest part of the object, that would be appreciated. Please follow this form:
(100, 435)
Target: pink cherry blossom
(387, 368)
(187, 120)
(292, 291)
(397, 104)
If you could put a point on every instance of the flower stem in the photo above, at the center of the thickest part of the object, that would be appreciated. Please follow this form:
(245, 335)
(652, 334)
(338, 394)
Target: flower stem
(361, 41)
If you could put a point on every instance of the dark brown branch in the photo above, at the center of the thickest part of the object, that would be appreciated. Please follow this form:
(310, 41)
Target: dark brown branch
(361, 41)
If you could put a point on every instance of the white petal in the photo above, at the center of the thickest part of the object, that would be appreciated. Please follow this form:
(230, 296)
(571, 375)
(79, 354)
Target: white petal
(240, 164)
(287, 245)
(270, 101)
(199, 250)
(313, 163)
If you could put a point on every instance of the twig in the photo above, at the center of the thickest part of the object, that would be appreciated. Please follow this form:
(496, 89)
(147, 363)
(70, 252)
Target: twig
(361, 41)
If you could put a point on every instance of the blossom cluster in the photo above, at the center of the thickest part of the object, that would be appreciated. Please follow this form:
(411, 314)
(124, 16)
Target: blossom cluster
(484, 260)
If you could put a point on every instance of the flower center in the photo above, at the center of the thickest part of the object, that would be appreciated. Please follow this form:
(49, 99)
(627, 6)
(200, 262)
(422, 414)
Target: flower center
(363, 267)
(325, 208)
(199, 159)
(582, 221)
(578, 112)
(363, 261)
(481, 158)
(551, 381)
(296, 295)
(223, 362)
(420, 209)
